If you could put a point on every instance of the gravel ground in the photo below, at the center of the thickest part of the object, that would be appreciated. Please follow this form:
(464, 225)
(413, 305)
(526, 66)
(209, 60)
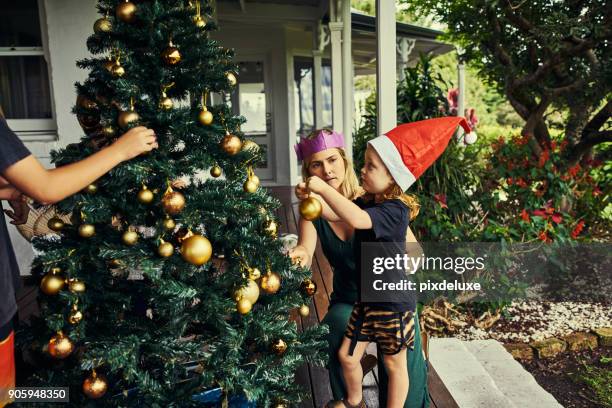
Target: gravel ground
(531, 321)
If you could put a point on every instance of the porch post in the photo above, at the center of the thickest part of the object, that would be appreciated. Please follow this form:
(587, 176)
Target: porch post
(347, 76)
(320, 40)
(385, 66)
(461, 82)
(335, 28)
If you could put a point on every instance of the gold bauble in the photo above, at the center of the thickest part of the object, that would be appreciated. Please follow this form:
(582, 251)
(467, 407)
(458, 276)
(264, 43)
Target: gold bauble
(117, 70)
(199, 21)
(250, 186)
(91, 189)
(76, 286)
(304, 310)
(95, 386)
(103, 25)
(126, 11)
(272, 228)
(244, 306)
(215, 171)
(87, 230)
(109, 64)
(171, 55)
(280, 405)
(145, 196)
(165, 249)
(279, 347)
(169, 224)
(173, 202)
(86, 103)
(52, 283)
(55, 224)
(196, 250)
(308, 287)
(126, 118)
(182, 234)
(205, 117)
(231, 144)
(250, 145)
(249, 292)
(166, 103)
(75, 316)
(231, 78)
(270, 282)
(129, 237)
(310, 209)
(60, 346)
(108, 131)
(254, 273)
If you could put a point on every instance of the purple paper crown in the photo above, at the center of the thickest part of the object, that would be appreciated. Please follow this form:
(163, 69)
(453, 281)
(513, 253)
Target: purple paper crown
(322, 141)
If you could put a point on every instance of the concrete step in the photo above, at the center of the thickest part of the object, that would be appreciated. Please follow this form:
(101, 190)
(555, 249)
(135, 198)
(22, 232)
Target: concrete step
(464, 376)
(516, 383)
(481, 373)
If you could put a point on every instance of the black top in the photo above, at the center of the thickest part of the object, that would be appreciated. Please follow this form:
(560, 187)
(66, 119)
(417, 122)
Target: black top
(389, 224)
(12, 150)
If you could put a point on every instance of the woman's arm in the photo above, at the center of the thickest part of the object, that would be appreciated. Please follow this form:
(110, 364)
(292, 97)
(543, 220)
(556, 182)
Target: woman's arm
(50, 186)
(346, 210)
(307, 242)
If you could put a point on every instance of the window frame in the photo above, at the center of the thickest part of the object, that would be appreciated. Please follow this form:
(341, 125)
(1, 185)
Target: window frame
(35, 130)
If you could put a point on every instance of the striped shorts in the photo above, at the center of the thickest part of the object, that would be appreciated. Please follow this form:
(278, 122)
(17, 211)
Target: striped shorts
(391, 331)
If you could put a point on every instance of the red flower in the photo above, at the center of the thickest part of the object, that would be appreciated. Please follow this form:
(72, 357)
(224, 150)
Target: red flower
(521, 182)
(543, 236)
(509, 181)
(553, 144)
(577, 229)
(544, 158)
(572, 171)
(525, 215)
(441, 199)
(556, 217)
(538, 213)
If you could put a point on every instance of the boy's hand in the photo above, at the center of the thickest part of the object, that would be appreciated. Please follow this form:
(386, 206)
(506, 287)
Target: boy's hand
(21, 209)
(315, 184)
(135, 142)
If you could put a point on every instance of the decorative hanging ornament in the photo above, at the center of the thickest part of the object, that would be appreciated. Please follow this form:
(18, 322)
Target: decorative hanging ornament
(271, 228)
(252, 183)
(254, 273)
(308, 287)
(169, 224)
(215, 171)
(103, 25)
(52, 283)
(60, 346)
(244, 306)
(171, 55)
(196, 250)
(108, 131)
(129, 117)
(145, 196)
(165, 249)
(166, 103)
(249, 292)
(173, 201)
(197, 19)
(270, 283)
(126, 12)
(231, 78)
(75, 315)
(55, 224)
(205, 117)
(231, 144)
(304, 311)
(130, 237)
(250, 146)
(87, 230)
(117, 70)
(310, 208)
(95, 386)
(76, 285)
(109, 64)
(279, 347)
(91, 189)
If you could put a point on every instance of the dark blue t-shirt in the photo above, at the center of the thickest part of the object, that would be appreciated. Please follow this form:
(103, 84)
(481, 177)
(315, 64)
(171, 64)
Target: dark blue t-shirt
(12, 150)
(389, 224)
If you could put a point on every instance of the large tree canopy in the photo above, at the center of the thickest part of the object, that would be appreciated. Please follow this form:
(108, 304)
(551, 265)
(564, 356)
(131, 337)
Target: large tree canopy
(543, 55)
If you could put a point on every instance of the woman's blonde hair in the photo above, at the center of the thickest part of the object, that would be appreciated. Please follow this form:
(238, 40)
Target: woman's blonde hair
(395, 192)
(350, 187)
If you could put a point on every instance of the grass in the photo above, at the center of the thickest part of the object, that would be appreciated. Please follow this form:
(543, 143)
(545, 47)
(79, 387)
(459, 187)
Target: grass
(598, 379)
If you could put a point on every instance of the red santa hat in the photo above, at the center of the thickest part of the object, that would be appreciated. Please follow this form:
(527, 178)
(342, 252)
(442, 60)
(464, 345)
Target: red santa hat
(409, 149)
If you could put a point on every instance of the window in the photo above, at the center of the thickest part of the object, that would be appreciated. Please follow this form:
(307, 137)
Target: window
(25, 94)
(303, 68)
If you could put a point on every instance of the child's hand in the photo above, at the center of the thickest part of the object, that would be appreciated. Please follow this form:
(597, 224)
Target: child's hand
(135, 142)
(299, 255)
(21, 209)
(315, 184)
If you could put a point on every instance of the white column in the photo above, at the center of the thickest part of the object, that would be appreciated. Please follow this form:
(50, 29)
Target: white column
(318, 85)
(461, 83)
(335, 29)
(386, 96)
(347, 74)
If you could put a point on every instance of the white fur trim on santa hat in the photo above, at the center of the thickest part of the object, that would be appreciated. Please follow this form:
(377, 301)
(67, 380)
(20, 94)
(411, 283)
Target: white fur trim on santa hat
(393, 160)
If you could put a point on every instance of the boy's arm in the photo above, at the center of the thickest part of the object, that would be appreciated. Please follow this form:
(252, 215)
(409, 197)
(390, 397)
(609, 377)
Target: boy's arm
(301, 192)
(348, 211)
(50, 186)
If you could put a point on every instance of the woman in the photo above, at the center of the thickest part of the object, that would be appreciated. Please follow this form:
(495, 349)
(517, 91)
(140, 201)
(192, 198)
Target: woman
(322, 155)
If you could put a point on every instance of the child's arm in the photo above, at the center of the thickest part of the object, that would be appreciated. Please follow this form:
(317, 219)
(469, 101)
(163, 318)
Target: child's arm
(301, 192)
(348, 211)
(50, 186)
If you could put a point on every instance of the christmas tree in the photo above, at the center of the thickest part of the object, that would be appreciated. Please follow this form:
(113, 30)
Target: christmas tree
(154, 291)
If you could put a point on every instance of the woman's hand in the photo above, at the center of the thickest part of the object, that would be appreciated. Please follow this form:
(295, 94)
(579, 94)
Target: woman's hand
(299, 255)
(21, 209)
(135, 142)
